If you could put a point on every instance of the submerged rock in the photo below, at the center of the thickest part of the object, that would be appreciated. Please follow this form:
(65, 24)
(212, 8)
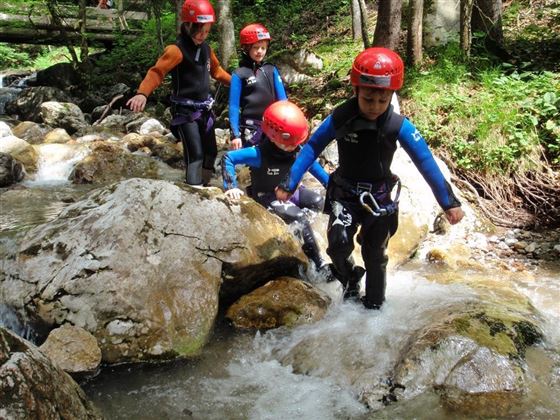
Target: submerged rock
(140, 265)
(281, 302)
(32, 387)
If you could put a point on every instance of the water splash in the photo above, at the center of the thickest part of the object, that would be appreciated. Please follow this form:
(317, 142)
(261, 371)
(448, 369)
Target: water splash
(56, 162)
(10, 321)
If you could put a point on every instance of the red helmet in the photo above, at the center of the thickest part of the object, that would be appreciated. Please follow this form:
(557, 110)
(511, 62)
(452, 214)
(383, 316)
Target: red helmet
(379, 68)
(284, 123)
(198, 11)
(253, 33)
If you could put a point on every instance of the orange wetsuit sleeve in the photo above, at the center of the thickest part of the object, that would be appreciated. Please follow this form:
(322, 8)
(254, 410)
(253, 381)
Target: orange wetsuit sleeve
(216, 70)
(170, 58)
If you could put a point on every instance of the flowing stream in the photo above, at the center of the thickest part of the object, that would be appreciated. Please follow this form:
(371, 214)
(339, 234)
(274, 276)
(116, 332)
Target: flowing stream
(240, 375)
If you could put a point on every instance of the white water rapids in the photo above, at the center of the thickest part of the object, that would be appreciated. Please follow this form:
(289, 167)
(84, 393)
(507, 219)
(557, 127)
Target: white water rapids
(243, 377)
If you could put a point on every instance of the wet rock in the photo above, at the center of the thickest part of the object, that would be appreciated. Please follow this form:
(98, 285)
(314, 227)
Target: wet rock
(64, 115)
(152, 126)
(32, 387)
(144, 265)
(11, 171)
(281, 302)
(58, 135)
(158, 146)
(73, 349)
(109, 162)
(20, 150)
(28, 104)
(31, 132)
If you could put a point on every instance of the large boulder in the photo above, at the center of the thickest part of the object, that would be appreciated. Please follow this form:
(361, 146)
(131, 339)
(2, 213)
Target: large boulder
(32, 387)
(142, 265)
(63, 115)
(28, 104)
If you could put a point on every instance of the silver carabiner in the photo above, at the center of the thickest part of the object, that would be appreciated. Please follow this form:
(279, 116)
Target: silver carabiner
(376, 210)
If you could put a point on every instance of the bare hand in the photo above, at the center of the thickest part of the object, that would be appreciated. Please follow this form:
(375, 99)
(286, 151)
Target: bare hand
(236, 144)
(282, 195)
(137, 103)
(454, 215)
(234, 194)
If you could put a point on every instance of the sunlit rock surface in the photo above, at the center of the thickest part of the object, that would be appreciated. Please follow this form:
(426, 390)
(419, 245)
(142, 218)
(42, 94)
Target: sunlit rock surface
(281, 302)
(73, 349)
(108, 162)
(31, 132)
(32, 387)
(20, 150)
(139, 265)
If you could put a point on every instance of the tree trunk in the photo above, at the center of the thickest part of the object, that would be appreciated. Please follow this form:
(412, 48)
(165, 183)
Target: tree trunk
(487, 18)
(388, 27)
(356, 19)
(414, 38)
(465, 26)
(226, 32)
(84, 50)
(157, 6)
(364, 20)
(178, 9)
(52, 7)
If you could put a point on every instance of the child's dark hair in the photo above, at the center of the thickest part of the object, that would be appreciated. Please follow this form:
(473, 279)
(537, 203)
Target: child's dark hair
(191, 28)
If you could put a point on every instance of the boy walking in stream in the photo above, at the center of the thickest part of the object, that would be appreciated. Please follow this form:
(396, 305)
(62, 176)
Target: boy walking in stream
(359, 191)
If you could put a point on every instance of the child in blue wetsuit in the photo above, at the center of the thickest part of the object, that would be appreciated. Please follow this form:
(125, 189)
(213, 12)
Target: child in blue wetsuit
(284, 128)
(254, 86)
(359, 192)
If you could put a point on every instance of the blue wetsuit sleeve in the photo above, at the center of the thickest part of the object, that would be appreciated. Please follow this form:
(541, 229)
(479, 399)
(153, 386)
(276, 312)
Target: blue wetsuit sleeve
(234, 101)
(309, 153)
(279, 86)
(319, 172)
(417, 148)
(250, 156)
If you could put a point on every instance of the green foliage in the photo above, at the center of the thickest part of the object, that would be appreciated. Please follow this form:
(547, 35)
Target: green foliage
(489, 120)
(11, 57)
(128, 61)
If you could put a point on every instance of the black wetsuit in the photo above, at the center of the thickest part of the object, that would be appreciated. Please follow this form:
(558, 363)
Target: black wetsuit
(193, 120)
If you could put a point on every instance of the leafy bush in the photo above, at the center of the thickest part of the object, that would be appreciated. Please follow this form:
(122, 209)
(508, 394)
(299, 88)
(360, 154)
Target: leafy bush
(489, 120)
(11, 57)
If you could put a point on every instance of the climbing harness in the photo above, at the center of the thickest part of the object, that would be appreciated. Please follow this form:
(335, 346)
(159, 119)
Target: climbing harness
(374, 208)
(200, 108)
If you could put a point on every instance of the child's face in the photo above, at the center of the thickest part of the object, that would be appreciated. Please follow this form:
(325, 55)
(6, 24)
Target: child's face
(284, 147)
(258, 51)
(373, 102)
(199, 37)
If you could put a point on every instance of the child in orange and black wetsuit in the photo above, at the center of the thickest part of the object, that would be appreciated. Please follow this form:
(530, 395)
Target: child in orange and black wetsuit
(191, 62)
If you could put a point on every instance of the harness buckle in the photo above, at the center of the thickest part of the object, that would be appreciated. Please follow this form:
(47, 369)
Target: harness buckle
(362, 187)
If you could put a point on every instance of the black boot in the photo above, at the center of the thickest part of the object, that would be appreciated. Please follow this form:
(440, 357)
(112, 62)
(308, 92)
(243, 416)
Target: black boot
(310, 246)
(352, 289)
(370, 305)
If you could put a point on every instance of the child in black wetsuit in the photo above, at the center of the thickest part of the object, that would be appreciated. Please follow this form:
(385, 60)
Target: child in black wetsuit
(284, 128)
